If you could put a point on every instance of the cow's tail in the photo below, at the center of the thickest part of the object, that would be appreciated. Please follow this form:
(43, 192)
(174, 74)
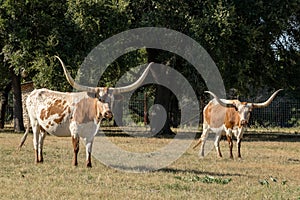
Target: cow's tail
(25, 134)
(198, 143)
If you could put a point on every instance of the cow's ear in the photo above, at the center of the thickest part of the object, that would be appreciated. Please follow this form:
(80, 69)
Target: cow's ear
(235, 106)
(97, 93)
(250, 105)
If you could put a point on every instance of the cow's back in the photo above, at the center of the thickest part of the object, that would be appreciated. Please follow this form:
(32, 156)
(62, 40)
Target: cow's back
(214, 114)
(51, 110)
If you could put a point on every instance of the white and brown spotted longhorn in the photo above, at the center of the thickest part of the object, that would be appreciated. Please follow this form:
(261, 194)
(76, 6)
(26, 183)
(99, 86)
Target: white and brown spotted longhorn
(75, 114)
(227, 117)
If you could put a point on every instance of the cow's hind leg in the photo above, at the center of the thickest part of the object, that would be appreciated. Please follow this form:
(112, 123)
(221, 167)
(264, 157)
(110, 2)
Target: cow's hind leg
(217, 143)
(41, 139)
(202, 141)
(36, 133)
(202, 137)
(75, 141)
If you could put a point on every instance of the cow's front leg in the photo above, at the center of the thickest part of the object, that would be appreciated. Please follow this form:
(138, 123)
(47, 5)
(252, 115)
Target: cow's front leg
(88, 147)
(75, 141)
(238, 143)
(239, 140)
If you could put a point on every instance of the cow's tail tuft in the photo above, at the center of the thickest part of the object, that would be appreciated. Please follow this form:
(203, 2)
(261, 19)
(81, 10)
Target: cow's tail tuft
(25, 134)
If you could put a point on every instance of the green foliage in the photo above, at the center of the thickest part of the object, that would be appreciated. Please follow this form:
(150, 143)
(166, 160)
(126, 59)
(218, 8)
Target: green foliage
(240, 36)
(255, 43)
(28, 33)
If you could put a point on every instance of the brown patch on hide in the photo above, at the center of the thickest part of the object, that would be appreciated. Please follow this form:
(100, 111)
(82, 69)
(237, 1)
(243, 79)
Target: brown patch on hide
(57, 107)
(232, 118)
(86, 110)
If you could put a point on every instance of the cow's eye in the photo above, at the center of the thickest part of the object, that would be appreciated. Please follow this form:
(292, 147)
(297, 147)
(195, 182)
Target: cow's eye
(101, 99)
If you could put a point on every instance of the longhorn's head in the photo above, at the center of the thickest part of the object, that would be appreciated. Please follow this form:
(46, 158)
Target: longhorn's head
(105, 95)
(243, 108)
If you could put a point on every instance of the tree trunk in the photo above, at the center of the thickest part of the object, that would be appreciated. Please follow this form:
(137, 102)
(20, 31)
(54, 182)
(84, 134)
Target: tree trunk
(118, 113)
(3, 104)
(17, 101)
(163, 98)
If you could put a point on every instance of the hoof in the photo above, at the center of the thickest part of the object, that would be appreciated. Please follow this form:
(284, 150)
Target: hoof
(89, 165)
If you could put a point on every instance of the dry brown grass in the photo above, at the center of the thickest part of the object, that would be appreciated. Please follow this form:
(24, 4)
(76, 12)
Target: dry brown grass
(250, 177)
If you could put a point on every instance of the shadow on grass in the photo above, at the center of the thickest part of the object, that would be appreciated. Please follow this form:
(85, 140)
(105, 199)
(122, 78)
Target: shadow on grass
(197, 172)
(143, 169)
(274, 137)
(248, 136)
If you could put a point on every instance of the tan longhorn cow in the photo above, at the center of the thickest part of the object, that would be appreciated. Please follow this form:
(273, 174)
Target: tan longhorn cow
(76, 114)
(227, 117)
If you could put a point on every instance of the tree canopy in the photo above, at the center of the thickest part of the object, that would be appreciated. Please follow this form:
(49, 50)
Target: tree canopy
(252, 42)
(255, 44)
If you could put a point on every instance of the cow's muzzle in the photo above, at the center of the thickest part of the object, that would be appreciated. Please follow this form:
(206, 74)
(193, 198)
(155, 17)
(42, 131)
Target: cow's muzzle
(108, 115)
(244, 122)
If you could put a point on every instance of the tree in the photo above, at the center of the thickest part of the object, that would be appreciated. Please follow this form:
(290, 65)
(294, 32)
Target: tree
(25, 32)
(242, 38)
(32, 32)
(3, 103)
(169, 14)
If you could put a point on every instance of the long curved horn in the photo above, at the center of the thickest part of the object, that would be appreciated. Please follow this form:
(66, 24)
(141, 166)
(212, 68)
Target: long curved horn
(73, 83)
(266, 103)
(117, 90)
(222, 102)
(134, 85)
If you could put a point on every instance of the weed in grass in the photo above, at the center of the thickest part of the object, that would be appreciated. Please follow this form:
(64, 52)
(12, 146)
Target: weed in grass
(284, 182)
(264, 182)
(274, 180)
(205, 179)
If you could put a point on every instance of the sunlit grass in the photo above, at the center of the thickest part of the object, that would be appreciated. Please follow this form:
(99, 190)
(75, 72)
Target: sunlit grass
(189, 177)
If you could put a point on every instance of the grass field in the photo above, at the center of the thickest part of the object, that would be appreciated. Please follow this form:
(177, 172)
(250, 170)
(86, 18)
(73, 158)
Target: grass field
(268, 170)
